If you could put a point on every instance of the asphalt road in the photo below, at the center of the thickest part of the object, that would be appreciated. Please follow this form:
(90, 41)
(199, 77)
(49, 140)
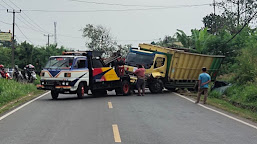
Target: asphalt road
(152, 119)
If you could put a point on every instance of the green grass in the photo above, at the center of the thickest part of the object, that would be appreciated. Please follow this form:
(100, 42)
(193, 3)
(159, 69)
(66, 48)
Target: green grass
(227, 106)
(238, 99)
(11, 90)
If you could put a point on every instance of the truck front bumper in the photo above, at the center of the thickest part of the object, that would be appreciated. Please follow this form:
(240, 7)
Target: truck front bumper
(57, 88)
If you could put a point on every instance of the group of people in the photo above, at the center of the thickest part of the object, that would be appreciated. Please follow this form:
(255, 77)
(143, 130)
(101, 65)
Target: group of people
(203, 82)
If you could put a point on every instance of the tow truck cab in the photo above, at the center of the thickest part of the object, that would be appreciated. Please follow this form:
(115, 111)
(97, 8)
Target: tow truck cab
(78, 72)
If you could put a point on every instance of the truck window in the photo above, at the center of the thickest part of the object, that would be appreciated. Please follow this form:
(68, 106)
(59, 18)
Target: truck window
(97, 63)
(159, 62)
(80, 64)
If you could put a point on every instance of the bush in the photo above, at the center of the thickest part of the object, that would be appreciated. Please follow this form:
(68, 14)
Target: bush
(243, 95)
(215, 94)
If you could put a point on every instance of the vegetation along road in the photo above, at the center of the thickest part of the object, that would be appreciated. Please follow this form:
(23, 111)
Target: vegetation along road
(154, 118)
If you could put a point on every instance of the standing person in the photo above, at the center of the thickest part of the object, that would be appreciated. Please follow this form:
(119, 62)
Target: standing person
(140, 73)
(203, 85)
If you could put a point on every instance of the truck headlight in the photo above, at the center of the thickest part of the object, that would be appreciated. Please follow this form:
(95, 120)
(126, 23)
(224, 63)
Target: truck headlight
(42, 83)
(67, 74)
(63, 83)
(67, 83)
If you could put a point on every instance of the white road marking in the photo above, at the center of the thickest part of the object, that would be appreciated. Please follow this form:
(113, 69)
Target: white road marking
(20, 107)
(221, 113)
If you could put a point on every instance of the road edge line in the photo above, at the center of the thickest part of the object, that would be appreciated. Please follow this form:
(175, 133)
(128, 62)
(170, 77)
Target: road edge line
(221, 113)
(20, 107)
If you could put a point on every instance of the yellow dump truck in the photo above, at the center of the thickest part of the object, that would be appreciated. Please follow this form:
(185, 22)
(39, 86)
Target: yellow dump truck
(171, 68)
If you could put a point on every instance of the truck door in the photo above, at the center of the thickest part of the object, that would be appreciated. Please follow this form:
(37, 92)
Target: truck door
(160, 65)
(80, 70)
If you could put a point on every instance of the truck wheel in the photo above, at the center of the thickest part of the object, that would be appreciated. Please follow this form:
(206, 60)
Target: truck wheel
(81, 90)
(54, 94)
(156, 86)
(124, 89)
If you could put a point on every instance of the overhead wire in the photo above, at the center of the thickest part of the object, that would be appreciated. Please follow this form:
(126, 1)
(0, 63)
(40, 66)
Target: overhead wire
(113, 10)
(246, 23)
(23, 34)
(7, 4)
(41, 29)
(5, 22)
(3, 6)
(30, 18)
(30, 26)
(125, 5)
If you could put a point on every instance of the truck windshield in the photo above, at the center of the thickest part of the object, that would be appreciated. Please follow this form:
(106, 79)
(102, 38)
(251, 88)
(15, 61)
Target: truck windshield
(59, 63)
(137, 58)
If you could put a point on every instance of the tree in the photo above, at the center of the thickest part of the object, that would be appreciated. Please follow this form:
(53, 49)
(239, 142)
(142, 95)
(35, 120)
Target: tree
(238, 10)
(183, 38)
(99, 38)
(246, 70)
(200, 39)
(168, 41)
(124, 49)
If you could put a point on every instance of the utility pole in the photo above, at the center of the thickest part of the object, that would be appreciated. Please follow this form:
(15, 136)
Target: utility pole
(214, 6)
(48, 35)
(238, 12)
(55, 36)
(215, 21)
(13, 11)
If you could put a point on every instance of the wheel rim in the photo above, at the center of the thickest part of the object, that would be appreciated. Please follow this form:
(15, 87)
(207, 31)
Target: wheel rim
(125, 88)
(82, 91)
(157, 86)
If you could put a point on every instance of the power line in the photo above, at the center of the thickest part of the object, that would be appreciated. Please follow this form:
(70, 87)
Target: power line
(30, 26)
(246, 23)
(43, 30)
(23, 34)
(5, 22)
(125, 5)
(7, 4)
(3, 6)
(111, 10)
(14, 4)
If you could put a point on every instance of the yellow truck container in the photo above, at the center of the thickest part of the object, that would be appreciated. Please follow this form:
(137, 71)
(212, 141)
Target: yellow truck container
(171, 68)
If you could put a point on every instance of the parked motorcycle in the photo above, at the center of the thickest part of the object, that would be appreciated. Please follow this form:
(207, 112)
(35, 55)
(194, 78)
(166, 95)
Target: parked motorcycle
(3, 73)
(17, 75)
(29, 73)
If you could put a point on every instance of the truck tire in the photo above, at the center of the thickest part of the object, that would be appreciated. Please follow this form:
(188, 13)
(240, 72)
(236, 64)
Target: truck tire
(54, 94)
(81, 90)
(124, 89)
(156, 86)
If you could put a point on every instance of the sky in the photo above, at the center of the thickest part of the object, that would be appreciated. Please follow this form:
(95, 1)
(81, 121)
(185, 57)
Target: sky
(129, 22)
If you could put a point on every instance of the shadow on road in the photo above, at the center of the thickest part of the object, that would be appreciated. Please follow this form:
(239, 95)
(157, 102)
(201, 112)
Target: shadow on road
(71, 97)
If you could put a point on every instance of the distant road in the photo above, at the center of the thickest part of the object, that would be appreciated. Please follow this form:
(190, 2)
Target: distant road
(152, 119)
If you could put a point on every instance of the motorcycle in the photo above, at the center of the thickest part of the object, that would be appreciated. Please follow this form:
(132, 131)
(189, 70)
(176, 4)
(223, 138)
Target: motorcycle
(17, 75)
(29, 73)
(4, 74)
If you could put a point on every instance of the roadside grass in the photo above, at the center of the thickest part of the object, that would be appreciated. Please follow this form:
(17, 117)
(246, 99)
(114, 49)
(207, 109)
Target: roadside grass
(227, 106)
(239, 100)
(13, 93)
